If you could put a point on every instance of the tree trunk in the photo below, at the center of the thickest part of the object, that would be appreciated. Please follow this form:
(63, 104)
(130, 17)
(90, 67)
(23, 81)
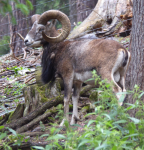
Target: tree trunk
(73, 12)
(136, 69)
(22, 26)
(84, 8)
(105, 14)
(80, 9)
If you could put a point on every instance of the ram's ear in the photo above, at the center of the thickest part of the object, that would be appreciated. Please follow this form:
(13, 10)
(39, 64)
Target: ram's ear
(54, 21)
(51, 24)
(35, 18)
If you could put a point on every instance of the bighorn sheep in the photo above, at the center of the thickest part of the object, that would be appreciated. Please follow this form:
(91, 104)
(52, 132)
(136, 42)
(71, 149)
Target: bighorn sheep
(73, 60)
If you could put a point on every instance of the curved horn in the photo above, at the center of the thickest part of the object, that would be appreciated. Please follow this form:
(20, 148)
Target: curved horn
(35, 17)
(62, 18)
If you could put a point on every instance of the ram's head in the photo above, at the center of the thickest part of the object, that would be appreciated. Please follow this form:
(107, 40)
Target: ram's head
(42, 30)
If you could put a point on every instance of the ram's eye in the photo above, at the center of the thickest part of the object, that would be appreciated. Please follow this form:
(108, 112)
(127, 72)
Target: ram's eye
(41, 29)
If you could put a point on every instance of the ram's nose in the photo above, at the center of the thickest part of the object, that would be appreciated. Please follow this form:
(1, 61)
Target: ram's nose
(26, 42)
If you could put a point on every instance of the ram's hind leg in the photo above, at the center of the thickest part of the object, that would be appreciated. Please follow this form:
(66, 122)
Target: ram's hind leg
(68, 82)
(77, 87)
(110, 76)
(117, 88)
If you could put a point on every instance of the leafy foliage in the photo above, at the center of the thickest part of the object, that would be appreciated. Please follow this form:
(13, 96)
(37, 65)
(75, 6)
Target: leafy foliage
(15, 138)
(4, 45)
(113, 128)
(44, 5)
(6, 6)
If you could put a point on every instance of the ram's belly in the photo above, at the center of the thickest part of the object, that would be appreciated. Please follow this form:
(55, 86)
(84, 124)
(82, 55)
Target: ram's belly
(83, 77)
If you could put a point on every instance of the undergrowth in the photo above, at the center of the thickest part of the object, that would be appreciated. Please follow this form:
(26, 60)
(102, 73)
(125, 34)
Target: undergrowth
(112, 129)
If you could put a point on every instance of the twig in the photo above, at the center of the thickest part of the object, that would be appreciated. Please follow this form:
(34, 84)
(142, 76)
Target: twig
(38, 57)
(20, 36)
(11, 99)
(25, 53)
(29, 79)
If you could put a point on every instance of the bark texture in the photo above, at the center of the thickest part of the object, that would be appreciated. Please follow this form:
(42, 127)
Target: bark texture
(103, 12)
(80, 9)
(135, 73)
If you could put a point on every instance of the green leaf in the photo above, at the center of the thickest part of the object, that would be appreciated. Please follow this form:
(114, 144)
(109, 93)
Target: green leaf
(23, 8)
(101, 146)
(90, 122)
(2, 135)
(56, 137)
(38, 147)
(89, 114)
(135, 120)
(29, 4)
(141, 95)
(120, 121)
(83, 142)
(12, 131)
(48, 147)
(131, 135)
(108, 116)
(1, 127)
(114, 148)
(44, 135)
(121, 99)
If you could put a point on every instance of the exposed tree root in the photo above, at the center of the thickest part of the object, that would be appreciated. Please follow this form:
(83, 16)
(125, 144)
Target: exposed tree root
(36, 121)
(85, 89)
(24, 120)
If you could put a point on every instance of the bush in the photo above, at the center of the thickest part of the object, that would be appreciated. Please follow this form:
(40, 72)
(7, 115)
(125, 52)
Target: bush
(113, 128)
(4, 45)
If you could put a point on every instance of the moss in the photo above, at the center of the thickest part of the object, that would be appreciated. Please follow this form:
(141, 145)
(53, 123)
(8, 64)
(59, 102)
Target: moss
(60, 97)
(70, 107)
(41, 91)
(9, 119)
(43, 99)
(85, 109)
(1, 118)
(33, 91)
(94, 95)
(58, 86)
(51, 119)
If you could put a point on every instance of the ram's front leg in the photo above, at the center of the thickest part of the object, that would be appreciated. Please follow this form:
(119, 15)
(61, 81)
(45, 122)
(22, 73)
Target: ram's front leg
(75, 97)
(67, 93)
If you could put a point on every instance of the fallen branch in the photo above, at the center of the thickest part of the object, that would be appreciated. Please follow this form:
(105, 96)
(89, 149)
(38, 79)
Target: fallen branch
(24, 120)
(111, 29)
(36, 121)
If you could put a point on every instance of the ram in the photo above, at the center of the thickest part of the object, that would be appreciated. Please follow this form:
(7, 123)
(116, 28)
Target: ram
(74, 60)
